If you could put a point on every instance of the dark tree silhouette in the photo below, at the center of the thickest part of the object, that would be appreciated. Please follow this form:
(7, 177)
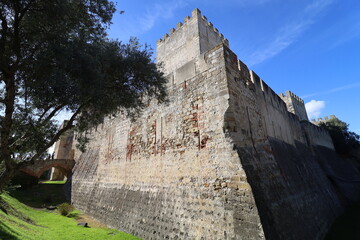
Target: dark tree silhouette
(55, 56)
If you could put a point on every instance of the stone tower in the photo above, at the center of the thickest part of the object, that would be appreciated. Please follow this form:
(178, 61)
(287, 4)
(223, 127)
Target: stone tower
(185, 43)
(224, 159)
(295, 105)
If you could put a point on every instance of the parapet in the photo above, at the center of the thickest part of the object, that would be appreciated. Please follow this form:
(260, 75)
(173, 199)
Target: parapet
(321, 120)
(292, 95)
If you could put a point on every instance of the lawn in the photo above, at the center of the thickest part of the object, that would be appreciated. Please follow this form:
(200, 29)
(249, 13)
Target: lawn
(53, 182)
(19, 221)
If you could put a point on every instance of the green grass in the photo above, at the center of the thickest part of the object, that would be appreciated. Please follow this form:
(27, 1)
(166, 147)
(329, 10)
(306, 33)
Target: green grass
(18, 221)
(53, 182)
(40, 196)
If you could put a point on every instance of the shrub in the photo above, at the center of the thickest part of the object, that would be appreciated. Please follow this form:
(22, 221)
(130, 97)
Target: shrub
(65, 208)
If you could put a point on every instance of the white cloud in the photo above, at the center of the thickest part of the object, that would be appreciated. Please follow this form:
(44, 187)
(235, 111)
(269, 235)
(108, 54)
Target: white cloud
(314, 108)
(290, 32)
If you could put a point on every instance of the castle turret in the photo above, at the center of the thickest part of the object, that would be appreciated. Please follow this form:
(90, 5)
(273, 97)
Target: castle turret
(294, 105)
(191, 38)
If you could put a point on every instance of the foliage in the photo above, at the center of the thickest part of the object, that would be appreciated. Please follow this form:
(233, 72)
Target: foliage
(344, 140)
(55, 56)
(30, 224)
(65, 208)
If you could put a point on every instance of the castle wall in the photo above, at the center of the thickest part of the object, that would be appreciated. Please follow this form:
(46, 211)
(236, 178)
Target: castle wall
(173, 173)
(289, 185)
(317, 136)
(224, 159)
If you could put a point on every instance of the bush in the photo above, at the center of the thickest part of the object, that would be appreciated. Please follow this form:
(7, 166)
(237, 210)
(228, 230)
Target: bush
(65, 209)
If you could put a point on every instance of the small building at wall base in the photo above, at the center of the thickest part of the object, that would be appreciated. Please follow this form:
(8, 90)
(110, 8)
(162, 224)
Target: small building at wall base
(226, 158)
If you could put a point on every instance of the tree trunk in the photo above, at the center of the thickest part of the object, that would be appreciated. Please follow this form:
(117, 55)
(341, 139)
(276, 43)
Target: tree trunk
(6, 176)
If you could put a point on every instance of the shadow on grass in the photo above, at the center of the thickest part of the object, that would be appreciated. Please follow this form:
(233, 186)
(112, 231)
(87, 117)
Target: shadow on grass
(7, 233)
(347, 226)
(74, 215)
(41, 195)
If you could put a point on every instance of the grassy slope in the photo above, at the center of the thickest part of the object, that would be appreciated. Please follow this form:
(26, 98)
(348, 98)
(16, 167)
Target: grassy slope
(53, 182)
(18, 221)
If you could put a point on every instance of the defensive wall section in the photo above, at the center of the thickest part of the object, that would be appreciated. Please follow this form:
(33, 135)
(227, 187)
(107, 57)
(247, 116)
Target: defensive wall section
(224, 159)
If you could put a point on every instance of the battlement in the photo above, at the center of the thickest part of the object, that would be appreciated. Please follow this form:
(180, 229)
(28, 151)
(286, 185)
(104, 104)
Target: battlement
(321, 120)
(196, 13)
(292, 95)
(188, 40)
(294, 105)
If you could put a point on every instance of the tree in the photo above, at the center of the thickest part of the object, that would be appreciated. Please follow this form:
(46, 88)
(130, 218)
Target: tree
(345, 141)
(56, 56)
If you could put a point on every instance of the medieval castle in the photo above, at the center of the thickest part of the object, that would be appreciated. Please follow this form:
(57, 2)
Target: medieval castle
(226, 158)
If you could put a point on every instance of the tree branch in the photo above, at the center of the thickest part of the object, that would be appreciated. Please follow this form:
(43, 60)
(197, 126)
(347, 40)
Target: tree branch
(4, 30)
(16, 40)
(52, 114)
(68, 126)
(7, 121)
(25, 9)
(45, 111)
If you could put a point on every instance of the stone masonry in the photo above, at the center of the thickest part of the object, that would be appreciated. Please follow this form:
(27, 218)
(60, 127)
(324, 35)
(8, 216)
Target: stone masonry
(226, 158)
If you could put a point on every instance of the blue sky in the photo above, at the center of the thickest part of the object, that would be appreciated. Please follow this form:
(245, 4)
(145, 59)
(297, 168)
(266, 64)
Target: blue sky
(310, 47)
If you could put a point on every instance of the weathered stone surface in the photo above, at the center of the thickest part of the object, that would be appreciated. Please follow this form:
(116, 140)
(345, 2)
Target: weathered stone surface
(224, 159)
(63, 147)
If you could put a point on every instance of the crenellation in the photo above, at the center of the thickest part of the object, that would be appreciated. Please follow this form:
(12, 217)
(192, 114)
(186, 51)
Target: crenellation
(186, 19)
(196, 12)
(179, 25)
(323, 120)
(255, 79)
(262, 85)
(294, 104)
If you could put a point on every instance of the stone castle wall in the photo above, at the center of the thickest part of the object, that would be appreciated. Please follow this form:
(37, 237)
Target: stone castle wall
(64, 146)
(224, 159)
(289, 185)
(173, 173)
